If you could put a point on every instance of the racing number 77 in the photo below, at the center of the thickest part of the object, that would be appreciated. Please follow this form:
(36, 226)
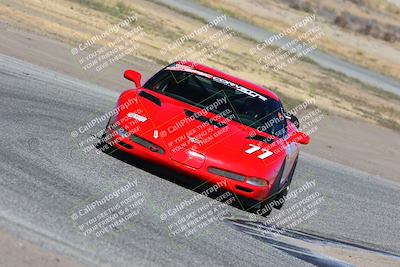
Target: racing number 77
(255, 148)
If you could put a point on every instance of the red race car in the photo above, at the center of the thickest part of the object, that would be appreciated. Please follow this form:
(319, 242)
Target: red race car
(211, 125)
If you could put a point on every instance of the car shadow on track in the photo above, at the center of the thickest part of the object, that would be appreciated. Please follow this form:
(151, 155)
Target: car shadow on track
(171, 175)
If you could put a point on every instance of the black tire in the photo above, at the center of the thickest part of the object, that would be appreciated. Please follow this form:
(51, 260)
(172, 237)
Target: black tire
(293, 170)
(285, 191)
(102, 143)
(274, 192)
(281, 195)
(105, 129)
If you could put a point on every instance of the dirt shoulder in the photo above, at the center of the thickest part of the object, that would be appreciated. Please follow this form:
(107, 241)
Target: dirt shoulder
(363, 32)
(76, 22)
(18, 252)
(352, 142)
(370, 148)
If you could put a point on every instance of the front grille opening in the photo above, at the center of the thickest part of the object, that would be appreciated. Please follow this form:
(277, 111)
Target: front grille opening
(144, 143)
(248, 190)
(226, 174)
(128, 146)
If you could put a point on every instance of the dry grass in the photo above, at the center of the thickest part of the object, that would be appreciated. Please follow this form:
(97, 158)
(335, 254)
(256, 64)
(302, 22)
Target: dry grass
(361, 37)
(77, 20)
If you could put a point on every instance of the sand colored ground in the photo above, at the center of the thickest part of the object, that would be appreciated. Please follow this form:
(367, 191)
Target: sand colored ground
(373, 53)
(17, 252)
(74, 23)
(43, 33)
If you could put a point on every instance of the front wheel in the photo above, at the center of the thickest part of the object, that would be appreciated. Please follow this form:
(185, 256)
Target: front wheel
(266, 206)
(102, 143)
(285, 191)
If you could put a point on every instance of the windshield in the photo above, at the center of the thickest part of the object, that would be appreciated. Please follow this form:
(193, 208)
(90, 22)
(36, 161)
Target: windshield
(221, 97)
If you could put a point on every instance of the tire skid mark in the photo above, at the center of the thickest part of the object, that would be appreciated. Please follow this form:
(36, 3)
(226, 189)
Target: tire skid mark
(311, 248)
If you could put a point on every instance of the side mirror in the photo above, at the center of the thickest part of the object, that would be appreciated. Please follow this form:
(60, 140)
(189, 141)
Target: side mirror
(293, 119)
(133, 76)
(299, 137)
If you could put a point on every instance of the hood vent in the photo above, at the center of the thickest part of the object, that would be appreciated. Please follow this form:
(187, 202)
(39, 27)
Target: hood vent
(268, 140)
(204, 119)
(150, 97)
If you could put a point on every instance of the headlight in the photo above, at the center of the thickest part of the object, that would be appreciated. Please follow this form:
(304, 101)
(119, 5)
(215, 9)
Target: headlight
(257, 181)
(120, 131)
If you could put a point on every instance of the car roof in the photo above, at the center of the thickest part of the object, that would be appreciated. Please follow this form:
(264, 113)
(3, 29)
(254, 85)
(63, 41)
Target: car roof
(231, 78)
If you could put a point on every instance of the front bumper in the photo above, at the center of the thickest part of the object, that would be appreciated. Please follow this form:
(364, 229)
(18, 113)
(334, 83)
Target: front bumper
(147, 150)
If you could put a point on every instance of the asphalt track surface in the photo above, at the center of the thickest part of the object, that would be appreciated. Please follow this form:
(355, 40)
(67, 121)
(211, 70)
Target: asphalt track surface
(323, 59)
(45, 176)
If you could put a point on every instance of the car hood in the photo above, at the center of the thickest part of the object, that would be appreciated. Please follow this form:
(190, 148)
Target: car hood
(193, 137)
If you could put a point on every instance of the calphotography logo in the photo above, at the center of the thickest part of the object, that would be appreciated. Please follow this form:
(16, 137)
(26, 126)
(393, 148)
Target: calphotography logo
(199, 133)
(109, 212)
